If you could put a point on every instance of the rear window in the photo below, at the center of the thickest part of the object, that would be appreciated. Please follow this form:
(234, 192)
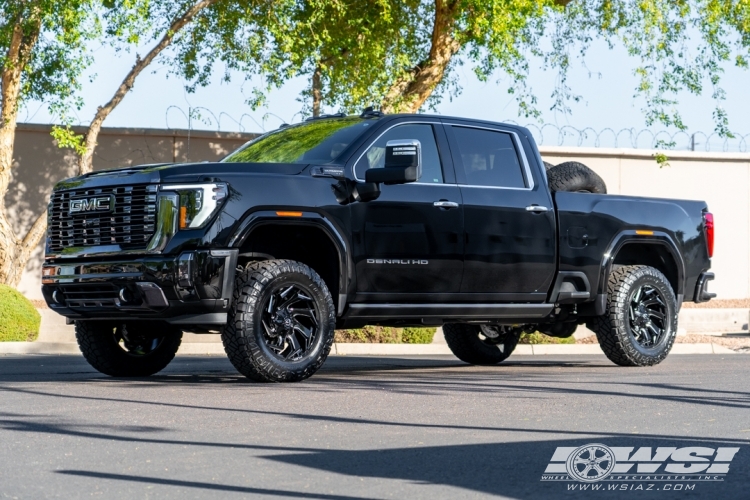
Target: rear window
(315, 142)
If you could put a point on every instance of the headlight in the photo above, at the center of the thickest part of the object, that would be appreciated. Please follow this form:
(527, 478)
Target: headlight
(198, 202)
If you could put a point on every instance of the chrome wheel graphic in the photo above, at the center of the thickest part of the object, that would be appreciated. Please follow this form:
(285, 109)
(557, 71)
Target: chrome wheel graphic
(591, 462)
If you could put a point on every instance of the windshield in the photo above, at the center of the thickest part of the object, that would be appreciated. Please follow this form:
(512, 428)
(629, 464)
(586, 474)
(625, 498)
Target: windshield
(316, 142)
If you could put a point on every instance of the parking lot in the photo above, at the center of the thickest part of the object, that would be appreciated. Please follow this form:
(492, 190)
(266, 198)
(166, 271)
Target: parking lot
(427, 427)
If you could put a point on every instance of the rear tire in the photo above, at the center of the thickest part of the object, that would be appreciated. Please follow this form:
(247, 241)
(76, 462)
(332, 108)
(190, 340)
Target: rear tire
(281, 325)
(470, 344)
(640, 305)
(573, 176)
(133, 349)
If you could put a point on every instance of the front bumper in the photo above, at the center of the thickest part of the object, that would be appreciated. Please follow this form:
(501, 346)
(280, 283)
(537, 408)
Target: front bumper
(194, 288)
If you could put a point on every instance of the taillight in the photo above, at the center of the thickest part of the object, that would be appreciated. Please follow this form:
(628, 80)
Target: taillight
(708, 223)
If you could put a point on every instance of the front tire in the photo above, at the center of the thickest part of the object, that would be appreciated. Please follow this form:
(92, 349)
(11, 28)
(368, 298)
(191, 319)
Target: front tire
(281, 325)
(640, 324)
(480, 345)
(133, 349)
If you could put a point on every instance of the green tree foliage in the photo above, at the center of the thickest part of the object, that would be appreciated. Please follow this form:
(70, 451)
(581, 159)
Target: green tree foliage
(403, 54)
(41, 57)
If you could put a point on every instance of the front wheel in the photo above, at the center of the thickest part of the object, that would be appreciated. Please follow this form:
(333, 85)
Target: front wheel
(281, 325)
(640, 324)
(132, 349)
(480, 344)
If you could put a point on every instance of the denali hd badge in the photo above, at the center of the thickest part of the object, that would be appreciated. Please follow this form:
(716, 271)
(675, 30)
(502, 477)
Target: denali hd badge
(403, 262)
(97, 204)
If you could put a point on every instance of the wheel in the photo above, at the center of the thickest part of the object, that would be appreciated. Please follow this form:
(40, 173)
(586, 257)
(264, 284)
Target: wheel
(573, 176)
(281, 324)
(132, 349)
(640, 323)
(480, 345)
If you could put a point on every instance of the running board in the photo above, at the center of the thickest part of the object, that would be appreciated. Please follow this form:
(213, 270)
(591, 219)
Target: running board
(448, 311)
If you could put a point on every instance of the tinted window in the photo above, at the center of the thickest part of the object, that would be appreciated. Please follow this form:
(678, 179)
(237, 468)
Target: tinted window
(488, 158)
(317, 142)
(432, 172)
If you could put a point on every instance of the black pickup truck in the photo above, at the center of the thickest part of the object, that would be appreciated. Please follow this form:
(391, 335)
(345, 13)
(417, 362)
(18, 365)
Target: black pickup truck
(343, 221)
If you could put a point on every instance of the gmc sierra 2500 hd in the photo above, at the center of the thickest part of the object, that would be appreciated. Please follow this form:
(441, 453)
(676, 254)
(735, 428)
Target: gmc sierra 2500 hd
(343, 221)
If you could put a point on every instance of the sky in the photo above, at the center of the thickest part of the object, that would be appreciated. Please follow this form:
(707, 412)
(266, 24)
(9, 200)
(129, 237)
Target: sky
(606, 83)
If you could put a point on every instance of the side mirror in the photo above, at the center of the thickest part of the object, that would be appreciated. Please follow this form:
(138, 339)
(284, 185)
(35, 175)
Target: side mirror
(403, 163)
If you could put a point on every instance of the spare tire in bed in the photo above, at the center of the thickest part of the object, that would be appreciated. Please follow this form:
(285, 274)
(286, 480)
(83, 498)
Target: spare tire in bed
(573, 176)
(547, 165)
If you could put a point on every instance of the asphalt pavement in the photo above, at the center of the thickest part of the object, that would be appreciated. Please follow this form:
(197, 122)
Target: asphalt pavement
(362, 428)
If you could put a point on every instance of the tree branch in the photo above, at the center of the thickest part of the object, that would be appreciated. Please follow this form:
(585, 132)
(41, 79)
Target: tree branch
(85, 161)
(26, 247)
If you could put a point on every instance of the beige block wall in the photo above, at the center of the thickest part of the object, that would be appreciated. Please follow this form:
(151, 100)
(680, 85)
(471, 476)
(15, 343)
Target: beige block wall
(39, 164)
(720, 179)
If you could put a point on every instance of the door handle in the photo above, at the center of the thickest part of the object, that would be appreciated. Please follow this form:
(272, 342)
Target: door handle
(445, 204)
(536, 209)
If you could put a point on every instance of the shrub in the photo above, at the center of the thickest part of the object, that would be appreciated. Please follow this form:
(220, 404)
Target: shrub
(540, 338)
(386, 335)
(19, 320)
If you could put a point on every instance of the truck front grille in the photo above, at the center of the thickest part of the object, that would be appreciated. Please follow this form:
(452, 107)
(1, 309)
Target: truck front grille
(129, 222)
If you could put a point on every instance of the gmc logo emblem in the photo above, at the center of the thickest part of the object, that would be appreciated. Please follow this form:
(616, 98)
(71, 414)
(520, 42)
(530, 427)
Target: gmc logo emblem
(98, 204)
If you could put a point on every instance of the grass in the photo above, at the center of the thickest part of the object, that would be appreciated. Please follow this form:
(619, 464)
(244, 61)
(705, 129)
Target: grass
(19, 320)
(386, 335)
(540, 338)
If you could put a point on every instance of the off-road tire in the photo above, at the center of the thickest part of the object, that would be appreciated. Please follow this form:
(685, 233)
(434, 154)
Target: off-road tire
(613, 328)
(242, 336)
(465, 343)
(102, 350)
(573, 176)
(547, 165)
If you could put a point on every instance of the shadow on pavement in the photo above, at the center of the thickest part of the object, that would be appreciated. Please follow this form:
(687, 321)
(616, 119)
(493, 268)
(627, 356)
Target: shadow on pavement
(512, 470)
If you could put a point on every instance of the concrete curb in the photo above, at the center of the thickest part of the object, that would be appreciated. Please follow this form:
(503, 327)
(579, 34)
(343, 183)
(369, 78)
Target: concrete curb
(212, 348)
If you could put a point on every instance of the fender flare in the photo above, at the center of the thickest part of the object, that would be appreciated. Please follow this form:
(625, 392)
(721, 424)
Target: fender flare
(631, 236)
(265, 217)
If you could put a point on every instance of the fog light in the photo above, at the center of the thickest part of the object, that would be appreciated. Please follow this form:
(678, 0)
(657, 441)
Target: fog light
(57, 297)
(126, 295)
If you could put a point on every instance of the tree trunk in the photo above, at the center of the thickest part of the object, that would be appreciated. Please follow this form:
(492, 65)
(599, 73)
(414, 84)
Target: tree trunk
(86, 161)
(411, 90)
(13, 258)
(317, 90)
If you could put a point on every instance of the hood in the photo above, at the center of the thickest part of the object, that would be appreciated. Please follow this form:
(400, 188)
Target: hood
(177, 172)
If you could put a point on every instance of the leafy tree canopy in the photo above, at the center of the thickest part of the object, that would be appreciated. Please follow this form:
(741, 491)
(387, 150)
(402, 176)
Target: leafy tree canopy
(403, 54)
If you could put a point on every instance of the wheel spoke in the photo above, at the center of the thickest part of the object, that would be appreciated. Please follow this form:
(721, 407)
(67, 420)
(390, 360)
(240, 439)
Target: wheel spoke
(656, 315)
(307, 332)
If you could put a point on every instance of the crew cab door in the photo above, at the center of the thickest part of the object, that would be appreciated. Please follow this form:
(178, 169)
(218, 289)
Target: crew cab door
(408, 243)
(509, 221)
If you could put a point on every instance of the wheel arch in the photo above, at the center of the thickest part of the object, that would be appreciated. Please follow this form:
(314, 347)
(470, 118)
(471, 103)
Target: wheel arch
(656, 249)
(252, 238)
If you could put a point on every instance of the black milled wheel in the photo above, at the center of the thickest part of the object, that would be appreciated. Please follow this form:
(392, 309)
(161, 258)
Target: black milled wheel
(573, 176)
(281, 325)
(480, 345)
(133, 349)
(640, 324)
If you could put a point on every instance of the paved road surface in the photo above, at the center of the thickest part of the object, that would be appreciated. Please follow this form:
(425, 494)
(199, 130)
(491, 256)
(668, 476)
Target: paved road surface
(361, 428)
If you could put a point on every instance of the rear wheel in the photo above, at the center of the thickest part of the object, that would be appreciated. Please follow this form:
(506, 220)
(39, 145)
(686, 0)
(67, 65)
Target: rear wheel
(281, 325)
(481, 344)
(133, 349)
(640, 324)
